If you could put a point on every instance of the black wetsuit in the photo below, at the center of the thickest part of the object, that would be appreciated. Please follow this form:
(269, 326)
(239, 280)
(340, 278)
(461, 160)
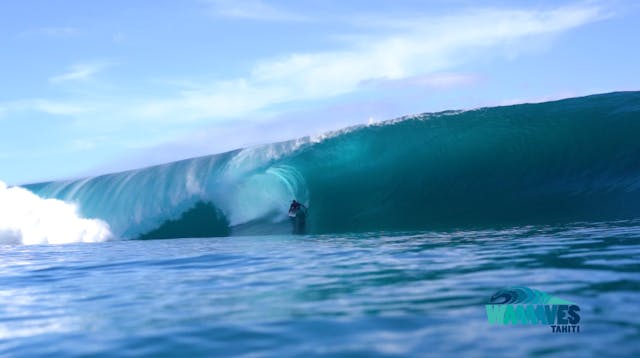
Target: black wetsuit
(299, 220)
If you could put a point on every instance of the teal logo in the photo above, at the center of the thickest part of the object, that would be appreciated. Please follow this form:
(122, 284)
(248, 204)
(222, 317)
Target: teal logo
(524, 305)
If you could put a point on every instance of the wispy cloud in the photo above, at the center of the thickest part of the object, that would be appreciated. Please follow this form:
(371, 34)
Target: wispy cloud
(252, 10)
(60, 31)
(425, 52)
(52, 107)
(422, 50)
(61, 108)
(88, 143)
(79, 72)
(439, 80)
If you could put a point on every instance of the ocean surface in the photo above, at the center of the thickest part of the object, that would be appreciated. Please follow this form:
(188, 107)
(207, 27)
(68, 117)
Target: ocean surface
(413, 225)
(374, 294)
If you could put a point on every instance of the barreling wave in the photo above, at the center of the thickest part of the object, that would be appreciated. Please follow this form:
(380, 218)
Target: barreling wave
(569, 160)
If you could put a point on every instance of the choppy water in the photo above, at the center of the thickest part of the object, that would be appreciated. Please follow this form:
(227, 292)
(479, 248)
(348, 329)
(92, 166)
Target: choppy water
(412, 294)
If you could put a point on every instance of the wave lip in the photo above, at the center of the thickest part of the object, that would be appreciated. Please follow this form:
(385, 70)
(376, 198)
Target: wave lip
(28, 219)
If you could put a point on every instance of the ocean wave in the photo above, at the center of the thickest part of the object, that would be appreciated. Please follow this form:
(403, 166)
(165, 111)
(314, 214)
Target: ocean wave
(570, 160)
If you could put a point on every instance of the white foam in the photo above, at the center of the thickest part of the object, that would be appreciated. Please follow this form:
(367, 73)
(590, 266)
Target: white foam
(27, 219)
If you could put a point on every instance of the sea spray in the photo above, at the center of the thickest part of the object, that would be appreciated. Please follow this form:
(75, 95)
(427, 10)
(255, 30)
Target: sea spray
(28, 219)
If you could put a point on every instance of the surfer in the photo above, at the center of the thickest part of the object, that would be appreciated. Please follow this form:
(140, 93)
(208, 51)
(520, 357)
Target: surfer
(298, 213)
(293, 209)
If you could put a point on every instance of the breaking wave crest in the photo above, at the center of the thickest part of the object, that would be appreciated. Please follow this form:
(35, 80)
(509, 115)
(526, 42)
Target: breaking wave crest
(28, 219)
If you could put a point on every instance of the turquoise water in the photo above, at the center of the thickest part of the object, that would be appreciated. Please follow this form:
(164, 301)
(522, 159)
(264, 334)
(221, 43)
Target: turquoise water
(368, 294)
(413, 224)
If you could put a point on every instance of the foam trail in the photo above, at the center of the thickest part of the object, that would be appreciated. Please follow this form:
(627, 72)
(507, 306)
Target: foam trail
(28, 219)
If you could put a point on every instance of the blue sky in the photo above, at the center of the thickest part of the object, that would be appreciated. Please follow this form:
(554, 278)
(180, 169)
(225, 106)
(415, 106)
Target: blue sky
(97, 86)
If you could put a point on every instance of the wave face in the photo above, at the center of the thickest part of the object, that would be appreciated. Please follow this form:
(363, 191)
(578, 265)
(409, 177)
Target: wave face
(569, 160)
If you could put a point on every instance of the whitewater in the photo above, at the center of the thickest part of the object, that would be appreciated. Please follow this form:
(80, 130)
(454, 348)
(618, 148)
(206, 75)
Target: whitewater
(28, 219)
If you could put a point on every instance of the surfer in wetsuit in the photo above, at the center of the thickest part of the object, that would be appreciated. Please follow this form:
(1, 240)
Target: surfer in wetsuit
(297, 212)
(293, 209)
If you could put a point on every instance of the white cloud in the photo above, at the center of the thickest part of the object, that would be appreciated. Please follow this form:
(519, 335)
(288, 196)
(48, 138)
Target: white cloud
(421, 51)
(425, 49)
(252, 10)
(79, 72)
(226, 98)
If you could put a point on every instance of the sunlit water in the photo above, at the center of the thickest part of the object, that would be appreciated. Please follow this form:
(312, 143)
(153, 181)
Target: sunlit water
(379, 294)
